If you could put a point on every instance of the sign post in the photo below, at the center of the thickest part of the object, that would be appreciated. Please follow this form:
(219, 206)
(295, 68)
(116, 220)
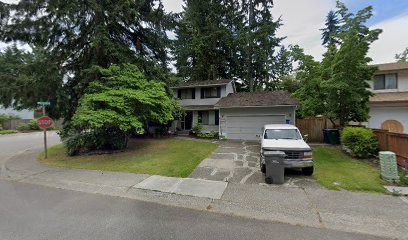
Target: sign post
(44, 122)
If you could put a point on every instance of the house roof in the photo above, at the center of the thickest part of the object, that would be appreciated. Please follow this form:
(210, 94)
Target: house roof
(203, 83)
(254, 99)
(392, 66)
(389, 97)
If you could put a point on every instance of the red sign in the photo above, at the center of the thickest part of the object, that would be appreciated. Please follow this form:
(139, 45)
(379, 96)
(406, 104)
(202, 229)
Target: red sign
(44, 122)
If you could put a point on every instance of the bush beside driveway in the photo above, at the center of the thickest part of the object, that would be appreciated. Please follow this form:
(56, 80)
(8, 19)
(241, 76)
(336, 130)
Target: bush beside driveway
(166, 157)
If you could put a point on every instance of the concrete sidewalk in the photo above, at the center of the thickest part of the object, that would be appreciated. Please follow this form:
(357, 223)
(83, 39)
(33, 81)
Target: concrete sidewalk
(303, 203)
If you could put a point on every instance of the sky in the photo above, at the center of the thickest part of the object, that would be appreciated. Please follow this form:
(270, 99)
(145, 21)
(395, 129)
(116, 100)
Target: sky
(302, 20)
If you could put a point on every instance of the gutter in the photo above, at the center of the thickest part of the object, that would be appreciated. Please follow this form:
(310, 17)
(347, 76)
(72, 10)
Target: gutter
(219, 107)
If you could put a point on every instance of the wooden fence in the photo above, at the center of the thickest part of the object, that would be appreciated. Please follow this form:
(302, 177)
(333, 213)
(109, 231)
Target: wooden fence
(14, 124)
(313, 127)
(395, 142)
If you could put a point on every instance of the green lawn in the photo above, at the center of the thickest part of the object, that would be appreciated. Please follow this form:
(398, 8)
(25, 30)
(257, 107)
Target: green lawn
(3, 132)
(166, 157)
(333, 166)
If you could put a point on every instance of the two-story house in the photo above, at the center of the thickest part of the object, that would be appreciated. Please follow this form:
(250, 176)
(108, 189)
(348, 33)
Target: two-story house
(198, 99)
(389, 105)
(217, 106)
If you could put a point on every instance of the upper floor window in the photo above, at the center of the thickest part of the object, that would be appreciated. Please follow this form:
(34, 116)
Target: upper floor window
(211, 92)
(385, 81)
(188, 93)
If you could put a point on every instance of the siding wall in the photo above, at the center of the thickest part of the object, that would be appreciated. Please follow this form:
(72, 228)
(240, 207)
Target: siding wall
(378, 115)
(402, 84)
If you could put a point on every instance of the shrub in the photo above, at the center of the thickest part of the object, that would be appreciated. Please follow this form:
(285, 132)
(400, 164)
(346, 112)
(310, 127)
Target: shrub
(211, 134)
(77, 142)
(30, 126)
(196, 130)
(361, 141)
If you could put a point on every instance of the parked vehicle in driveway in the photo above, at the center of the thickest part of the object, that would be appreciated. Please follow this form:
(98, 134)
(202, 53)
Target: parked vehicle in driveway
(288, 139)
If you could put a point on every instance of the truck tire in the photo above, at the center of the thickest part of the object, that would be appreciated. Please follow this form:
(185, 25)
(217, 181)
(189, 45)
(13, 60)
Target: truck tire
(308, 171)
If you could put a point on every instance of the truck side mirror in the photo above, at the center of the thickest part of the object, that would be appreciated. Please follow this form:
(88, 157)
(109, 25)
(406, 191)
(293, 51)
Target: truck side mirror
(306, 137)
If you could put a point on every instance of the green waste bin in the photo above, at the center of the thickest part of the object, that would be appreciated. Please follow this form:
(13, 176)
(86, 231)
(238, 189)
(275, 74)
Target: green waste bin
(331, 136)
(389, 168)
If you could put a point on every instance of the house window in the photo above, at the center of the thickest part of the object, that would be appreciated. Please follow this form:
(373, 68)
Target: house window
(385, 81)
(188, 93)
(204, 117)
(208, 117)
(212, 92)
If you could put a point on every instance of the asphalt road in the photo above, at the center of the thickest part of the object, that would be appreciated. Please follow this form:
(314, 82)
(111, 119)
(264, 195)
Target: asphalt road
(35, 212)
(14, 144)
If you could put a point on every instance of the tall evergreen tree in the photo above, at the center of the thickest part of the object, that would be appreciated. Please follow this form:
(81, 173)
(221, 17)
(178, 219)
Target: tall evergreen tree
(261, 43)
(228, 39)
(79, 35)
(329, 35)
(204, 48)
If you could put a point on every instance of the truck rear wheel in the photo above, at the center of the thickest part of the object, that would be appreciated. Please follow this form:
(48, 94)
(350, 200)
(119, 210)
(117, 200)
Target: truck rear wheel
(308, 171)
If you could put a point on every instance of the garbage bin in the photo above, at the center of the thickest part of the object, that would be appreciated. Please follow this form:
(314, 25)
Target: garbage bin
(331, 136)
(275, 168)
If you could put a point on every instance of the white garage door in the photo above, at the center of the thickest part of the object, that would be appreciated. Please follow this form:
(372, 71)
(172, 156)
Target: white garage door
(247, 127)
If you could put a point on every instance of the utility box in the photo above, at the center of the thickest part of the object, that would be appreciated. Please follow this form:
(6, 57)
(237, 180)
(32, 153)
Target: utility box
(275, 168)
(389, 168)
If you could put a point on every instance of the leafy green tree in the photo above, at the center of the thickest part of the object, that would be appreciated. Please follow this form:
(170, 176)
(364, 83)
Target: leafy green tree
(27, 77)
(79, 35)
(347, 94)
(309, 75)
(402, 57)
(337, 87)
(117, 105)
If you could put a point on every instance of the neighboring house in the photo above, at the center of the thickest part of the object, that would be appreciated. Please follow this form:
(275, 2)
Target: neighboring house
(23, 114)
(216, 105)
(389, 105)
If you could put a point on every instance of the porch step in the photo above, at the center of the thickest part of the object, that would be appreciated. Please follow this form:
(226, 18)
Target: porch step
(183, 133)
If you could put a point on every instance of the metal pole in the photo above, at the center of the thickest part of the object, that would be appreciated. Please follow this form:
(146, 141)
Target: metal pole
(45, 136)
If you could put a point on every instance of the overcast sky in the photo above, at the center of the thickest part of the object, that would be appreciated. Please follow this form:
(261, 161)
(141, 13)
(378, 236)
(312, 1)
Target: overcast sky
(302, 20)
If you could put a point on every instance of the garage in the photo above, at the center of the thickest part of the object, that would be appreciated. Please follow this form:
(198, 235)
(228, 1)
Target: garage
(248, 126)
(242, 115)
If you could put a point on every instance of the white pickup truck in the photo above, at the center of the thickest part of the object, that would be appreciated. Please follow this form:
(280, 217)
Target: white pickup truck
(287, 138)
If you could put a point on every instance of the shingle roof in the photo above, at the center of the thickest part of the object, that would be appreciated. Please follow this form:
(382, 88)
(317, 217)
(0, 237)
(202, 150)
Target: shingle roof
(203, 83)
(265, 98)
(389, 97)
(392, 66)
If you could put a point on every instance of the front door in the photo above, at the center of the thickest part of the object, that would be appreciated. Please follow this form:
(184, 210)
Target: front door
(188, 121)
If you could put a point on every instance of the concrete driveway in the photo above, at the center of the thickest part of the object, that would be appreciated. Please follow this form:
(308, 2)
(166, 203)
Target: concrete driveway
(238, 162)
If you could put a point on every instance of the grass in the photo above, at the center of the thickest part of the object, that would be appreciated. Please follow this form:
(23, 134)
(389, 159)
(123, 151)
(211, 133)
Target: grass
(3, 132)
(335, 170)
(166, 157)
